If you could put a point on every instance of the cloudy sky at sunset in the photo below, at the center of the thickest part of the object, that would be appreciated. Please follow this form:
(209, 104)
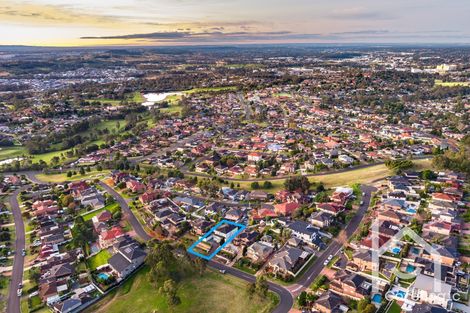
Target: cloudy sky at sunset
(186, 22)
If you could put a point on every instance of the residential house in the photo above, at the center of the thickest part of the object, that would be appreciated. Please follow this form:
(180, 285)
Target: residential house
(330, 302)
(307, 233)
(108, 237)
(286, 208)
(321, 219)
(259, 251)
(330, 208)
(424, 290)
(126, 260)
(351, 285)
(288, 261)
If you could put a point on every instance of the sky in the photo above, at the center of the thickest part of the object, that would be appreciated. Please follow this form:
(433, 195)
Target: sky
(209, 22)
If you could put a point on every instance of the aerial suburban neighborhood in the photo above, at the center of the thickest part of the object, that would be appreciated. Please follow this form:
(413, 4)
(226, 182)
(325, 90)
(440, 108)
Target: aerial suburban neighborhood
(233, 175)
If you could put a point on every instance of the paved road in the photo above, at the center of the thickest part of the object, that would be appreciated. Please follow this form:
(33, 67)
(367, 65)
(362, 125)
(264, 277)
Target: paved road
(13, 305)
(309, 276)
(138, 228)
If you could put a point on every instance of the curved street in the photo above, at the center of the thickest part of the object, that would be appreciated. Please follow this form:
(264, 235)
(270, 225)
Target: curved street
(13, 305)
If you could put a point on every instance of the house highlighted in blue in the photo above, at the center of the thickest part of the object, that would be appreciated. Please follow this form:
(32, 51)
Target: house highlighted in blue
(225, 230)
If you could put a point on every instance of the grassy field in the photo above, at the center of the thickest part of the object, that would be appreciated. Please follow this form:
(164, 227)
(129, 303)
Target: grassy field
(98, 259)
(362, 176)
(18, 151)
(212, 292)
(440, 83)
(210, 89)
(12, 152)
(59, 178)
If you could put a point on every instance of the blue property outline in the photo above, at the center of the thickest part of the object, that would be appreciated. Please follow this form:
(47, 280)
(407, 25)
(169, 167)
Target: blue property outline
(241, 228)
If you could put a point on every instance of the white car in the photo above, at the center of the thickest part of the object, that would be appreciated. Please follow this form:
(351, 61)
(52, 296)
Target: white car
(19, 292)
(325, 263)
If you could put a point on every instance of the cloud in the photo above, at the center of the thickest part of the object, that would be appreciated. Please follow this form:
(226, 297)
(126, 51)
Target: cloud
(205, 36)
(40, 14)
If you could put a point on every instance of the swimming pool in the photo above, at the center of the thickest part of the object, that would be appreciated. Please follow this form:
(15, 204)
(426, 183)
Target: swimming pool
(415, 250)
(377, 298)
(103, 276)
(400, 294)
(410, 268)
(412, 211)
(396, 250)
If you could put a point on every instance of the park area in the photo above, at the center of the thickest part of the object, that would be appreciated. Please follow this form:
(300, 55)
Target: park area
(212, 292)
(365, 175)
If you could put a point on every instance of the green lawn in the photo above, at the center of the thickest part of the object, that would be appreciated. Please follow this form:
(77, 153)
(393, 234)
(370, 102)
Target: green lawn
(394, 308)
(16, 151)
(441, 83)
(98, 259)
(113, 207)
(212, 292)
(12, 152)
(210, 89)
(62, 177)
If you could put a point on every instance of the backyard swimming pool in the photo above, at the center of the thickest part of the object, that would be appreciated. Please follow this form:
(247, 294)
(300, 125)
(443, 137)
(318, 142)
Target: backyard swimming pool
(396, 250)
(400, 294)
(410, 268)
(377, 298)
(103, 276)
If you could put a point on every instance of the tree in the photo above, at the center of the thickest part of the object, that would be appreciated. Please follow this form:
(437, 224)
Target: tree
(82, 233)
(302, 299)
(398, 166)
(69, 174)
(261, 285)
(169, 289)
(82, 171)
(322, 197)
(254, 185)
(160, 258)
(267, 185)
(200, 265)
(297, 182)
(364, 306)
